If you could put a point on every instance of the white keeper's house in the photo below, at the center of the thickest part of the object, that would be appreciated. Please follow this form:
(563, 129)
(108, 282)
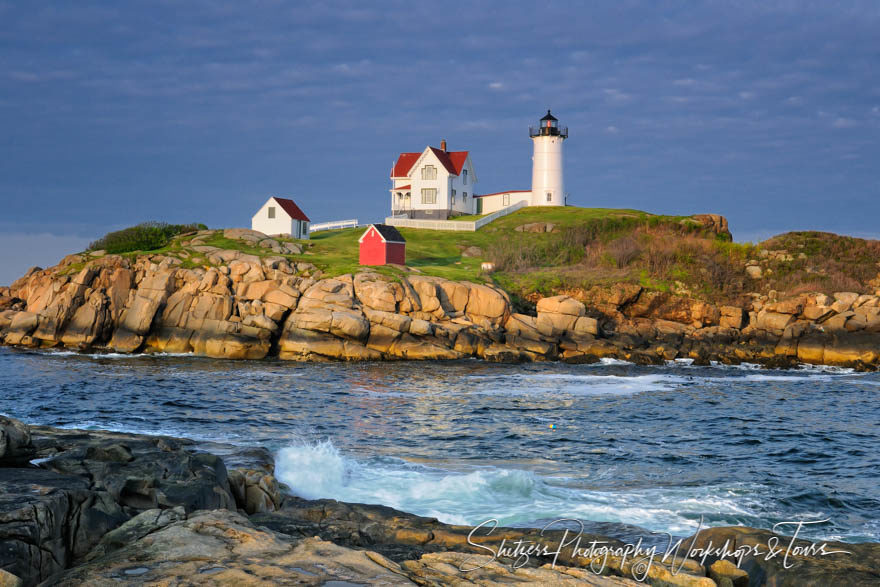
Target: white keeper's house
(281, 216)
(437, 184)
(433, 185)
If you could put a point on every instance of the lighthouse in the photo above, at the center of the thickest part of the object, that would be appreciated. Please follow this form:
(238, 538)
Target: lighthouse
(547, 185)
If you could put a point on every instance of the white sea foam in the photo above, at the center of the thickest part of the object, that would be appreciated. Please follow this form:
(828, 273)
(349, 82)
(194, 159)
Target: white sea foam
(582, 384)
(513, 496)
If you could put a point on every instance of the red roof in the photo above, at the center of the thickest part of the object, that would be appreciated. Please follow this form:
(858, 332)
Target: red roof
(499, 193)
(453, 161)
(404, 164)
(292, 209)
(401, 187)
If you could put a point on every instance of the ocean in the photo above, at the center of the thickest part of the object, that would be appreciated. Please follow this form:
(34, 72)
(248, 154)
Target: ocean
(629, 449)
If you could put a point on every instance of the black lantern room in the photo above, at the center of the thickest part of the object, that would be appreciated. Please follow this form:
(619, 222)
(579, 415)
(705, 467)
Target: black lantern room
(548, 127)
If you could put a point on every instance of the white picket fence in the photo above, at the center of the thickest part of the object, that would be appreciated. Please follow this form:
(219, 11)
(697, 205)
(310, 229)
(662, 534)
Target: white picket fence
(453, 225)
(334, 225)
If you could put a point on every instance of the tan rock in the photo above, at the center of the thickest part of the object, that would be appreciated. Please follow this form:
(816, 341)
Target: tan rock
(726, 574)
(586, 325)
(817, 313)
(426, 288)
(554, 326)
(488, 303)
(811, 349)
(793, 305)
(561, 305)
(421, 328)
(349, 324)
(7, 579)
(773, 321)
(382, 338)
(533, 346)
(838, 321)
(453, 295)
(523, 326)
(377, 292)
(318, 319)
(754, 271)
(397, 322)
(224, 548)
(732, 317)
(844, 300)
(88, 323)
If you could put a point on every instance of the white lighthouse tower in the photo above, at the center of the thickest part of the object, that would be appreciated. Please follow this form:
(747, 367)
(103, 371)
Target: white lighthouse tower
(547, 186)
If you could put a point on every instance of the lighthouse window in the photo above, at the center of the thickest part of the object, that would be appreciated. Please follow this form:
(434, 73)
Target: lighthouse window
(429, 195)
(549, 196)
(271, 211)
(429, 172)
(464, 177)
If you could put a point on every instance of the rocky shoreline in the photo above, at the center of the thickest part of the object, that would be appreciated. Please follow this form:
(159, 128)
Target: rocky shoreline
(104, 508)
(246, 306)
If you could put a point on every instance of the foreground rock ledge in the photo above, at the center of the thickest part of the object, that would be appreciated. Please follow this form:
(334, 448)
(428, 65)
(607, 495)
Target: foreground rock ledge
(250, 307)
(106, 508)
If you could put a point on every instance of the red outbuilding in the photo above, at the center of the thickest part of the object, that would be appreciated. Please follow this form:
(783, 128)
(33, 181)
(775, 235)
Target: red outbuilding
(382, 244)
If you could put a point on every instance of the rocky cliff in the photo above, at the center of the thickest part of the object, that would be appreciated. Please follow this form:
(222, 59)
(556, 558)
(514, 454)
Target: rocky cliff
(248, 306)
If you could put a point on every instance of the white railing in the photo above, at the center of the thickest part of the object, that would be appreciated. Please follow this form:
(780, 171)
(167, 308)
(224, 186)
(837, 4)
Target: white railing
(481, 222)
(453, 225)
(353, 223)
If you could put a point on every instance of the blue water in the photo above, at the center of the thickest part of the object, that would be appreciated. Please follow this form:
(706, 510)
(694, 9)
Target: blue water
(654, 447)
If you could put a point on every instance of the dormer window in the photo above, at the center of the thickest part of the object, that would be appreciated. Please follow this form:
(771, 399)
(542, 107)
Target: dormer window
(464, 177)
(429, 172)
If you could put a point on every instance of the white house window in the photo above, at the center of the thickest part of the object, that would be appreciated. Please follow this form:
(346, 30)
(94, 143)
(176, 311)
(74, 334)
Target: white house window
(505, 200)
(453, 197)
(271, 211)
(464, 177)
(549, 196)
(429, 195)
(464, 196)
(429, 172)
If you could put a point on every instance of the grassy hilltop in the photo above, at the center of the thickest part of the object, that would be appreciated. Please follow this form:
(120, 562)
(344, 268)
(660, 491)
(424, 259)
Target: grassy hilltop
(551, 250)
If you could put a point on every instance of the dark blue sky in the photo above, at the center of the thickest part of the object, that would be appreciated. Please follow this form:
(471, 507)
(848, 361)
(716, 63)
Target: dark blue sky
(115, 113)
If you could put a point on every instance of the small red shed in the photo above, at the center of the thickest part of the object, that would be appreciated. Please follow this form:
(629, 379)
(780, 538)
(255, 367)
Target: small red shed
(382, 244)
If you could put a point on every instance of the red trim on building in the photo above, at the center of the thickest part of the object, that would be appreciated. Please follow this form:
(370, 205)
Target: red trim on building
(453, 161)
(292, 209)
(499, 193)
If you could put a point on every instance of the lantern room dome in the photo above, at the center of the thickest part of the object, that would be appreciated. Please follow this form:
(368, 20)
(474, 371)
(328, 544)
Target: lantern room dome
(548, 126)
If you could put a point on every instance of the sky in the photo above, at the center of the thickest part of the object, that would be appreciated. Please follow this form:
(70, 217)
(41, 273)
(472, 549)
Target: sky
(115, 113)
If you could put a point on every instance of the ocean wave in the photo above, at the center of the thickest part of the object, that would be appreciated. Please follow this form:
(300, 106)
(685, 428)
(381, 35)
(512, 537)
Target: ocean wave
(512, 496)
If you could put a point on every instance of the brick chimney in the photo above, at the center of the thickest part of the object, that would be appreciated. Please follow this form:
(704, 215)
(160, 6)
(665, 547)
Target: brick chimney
(443, 145)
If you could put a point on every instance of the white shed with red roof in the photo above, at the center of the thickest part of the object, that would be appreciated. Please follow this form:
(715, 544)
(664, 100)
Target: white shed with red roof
(281, 216)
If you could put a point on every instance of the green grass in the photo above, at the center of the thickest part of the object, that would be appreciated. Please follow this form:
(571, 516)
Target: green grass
(467, 217)
(438, 252)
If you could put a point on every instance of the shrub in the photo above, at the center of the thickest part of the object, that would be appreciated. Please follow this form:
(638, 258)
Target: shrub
(147, 236)
(624, 251)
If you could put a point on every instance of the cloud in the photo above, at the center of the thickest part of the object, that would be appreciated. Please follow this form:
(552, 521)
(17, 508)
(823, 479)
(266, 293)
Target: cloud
(612, 130)
(615, 95)
(496, 85)
(842, 122)
(746, 95)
